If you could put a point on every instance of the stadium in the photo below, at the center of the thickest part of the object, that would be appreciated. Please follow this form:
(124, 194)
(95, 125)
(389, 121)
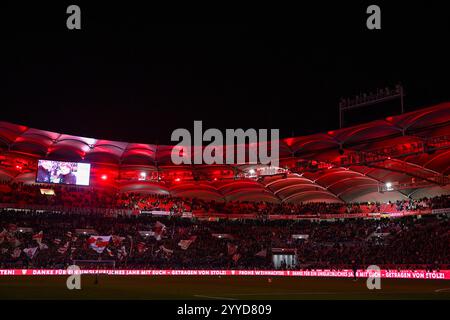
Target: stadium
(139, 226)
(293, 155)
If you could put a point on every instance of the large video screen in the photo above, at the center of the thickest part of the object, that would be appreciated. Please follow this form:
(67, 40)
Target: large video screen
(73, 173)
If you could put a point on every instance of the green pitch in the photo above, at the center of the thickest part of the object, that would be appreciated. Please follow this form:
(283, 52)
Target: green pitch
(214, 287)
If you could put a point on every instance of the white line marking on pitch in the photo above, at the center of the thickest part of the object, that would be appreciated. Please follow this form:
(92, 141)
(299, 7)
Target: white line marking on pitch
(210, 297)
(442, 290)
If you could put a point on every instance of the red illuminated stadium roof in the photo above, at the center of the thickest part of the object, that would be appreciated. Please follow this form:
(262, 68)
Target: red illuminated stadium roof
(353, 182)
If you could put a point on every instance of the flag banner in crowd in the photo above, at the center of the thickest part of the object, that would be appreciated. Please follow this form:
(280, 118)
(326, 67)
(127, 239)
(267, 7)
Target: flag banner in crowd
(57, 241)
(38, 236)
(110, 253)
(185, 244)
(98, 243)
(69, 234)
(232, 248)
(16, 253)
(121, 253)
(344, 273)
(88, 232)
(159, 229)
(165, 250)
(3, 235)
(25, 230)
(30, 252)
(64, 248)
(43, 246)
(141, 247)
(236, 257)
(117, 240)
(12, 227)
(159, 225)
(4, 250)
(300, 236)
(262, 253)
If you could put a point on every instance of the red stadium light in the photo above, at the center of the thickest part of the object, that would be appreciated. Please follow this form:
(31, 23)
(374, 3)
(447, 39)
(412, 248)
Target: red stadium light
(389, 119)
(177, 179)
(104, 177)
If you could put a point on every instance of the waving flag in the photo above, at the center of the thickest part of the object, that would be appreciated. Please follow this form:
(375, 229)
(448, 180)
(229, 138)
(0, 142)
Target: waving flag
(3, 235)
(165, 250)
(262, 253)
(232, 248)
(184, 244)
(141, 247)
(30, 252)
(43, 246)
(159, 230)
(16, 253)
(64, 248)
(98, 243)
(38, 237)
(121, 253)
(117, 240)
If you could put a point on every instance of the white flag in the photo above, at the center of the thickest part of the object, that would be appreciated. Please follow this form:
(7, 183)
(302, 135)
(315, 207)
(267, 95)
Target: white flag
(30, 252)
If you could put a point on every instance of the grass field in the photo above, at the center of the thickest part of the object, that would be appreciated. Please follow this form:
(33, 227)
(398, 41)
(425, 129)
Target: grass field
(214, 287)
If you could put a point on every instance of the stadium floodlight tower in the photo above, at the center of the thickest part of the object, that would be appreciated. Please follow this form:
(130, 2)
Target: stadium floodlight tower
(367, 99)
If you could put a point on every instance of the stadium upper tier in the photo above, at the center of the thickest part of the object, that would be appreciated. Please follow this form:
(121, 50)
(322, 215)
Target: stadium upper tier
(398, 157)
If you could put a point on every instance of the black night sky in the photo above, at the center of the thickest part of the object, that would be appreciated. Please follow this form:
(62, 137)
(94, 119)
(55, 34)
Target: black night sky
(135, 75)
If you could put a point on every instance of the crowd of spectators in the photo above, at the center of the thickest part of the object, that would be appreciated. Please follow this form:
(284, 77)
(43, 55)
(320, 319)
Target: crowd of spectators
(35, 239)
(73, 198)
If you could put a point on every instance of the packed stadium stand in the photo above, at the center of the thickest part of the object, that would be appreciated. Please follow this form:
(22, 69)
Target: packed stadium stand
(376, 193)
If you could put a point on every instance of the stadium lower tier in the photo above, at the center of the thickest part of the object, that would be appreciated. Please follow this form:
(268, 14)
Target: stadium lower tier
(46, 240)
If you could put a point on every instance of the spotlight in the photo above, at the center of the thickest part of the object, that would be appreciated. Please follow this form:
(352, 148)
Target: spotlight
(142, 176)
(104, 177)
